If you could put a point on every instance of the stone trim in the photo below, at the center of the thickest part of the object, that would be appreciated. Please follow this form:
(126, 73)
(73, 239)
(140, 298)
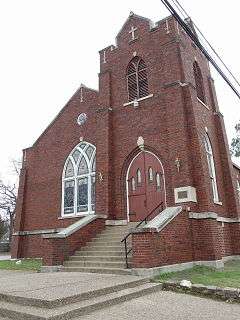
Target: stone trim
(66, 232)
(116, 222)
(160, 221)
(36, 232)
(212, 215)
(150, 272)
(45, 269)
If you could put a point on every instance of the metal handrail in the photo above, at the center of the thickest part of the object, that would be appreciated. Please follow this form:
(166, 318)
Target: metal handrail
(137, 226)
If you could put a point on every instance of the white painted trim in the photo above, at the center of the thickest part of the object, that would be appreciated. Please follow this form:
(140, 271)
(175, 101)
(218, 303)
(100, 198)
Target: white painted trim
(126, 181)
(138, 100)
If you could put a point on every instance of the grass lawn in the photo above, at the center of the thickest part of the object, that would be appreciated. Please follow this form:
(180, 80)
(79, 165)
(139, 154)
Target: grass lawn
(227, 277)
(26, 264)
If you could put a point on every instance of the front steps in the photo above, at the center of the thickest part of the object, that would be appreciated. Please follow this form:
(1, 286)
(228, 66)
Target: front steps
(104, 254)
(71, 307)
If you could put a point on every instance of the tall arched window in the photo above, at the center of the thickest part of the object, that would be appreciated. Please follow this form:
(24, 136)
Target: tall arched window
(137, 81)
(199, 82)
(78, 181)
(211, 167)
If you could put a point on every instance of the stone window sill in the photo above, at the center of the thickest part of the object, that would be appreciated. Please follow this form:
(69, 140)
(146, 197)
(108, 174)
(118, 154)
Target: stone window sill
(75, 216)
(219, 203)
(138, 100)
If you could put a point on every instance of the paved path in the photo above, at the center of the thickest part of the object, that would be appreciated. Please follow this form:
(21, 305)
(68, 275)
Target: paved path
(168, 306)
(51, 286)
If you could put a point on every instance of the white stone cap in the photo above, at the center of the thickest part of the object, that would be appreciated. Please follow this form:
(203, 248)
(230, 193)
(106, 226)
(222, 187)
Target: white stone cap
(66, 232)
(163, 218)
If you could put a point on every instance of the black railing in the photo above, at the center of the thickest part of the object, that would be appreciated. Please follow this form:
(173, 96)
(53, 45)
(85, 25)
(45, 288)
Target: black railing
(127, 251)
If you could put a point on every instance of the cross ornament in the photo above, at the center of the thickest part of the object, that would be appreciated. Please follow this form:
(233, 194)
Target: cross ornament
(132, 32)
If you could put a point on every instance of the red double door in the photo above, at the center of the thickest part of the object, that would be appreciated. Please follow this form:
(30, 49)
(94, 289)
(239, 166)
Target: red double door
(146, 187)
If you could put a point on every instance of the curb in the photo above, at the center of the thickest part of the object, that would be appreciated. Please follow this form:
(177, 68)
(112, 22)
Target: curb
(224, 294)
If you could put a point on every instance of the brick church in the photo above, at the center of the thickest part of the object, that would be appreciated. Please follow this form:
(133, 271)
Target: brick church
(150, 143)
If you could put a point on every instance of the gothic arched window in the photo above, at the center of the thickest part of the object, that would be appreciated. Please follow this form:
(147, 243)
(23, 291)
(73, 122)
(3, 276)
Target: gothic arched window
(137, 81)
(199, 82)
(211, 167)
(78, 182)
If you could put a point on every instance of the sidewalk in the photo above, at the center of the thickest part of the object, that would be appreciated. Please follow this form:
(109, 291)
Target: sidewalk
(5, 256)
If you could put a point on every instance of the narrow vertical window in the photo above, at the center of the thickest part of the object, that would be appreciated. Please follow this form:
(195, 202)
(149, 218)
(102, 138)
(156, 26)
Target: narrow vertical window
(137, 80)
(211, 167)
(199, 82)
(133, 183)
(158, 181)
(139, 177)
(150, 174)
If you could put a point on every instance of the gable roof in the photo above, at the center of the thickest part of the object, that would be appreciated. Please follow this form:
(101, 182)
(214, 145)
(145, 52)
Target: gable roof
(82, 86)
(133, 15)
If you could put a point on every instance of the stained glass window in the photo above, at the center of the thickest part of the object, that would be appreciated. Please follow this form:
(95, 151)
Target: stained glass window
(69, 197)
(79, 181)
(83, 167)
(69, 170)
(82, 195)
(211, 167)
(76, 155)
(89, 152)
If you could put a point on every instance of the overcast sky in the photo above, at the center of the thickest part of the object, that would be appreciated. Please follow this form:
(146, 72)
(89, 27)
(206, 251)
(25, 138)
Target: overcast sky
(50, 47)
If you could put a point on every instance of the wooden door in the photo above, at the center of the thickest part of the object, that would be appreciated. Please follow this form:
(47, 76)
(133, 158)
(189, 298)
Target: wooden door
(146, 188)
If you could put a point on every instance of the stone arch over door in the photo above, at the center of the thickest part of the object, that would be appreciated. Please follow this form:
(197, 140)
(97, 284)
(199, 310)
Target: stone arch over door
(144, 184)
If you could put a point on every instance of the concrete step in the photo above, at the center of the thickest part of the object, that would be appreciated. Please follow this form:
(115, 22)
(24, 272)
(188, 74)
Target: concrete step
(96, 258)
(103, 248)
(95, 264)
(104, 242)
(97, 270)
(87, 252)
(71, 310)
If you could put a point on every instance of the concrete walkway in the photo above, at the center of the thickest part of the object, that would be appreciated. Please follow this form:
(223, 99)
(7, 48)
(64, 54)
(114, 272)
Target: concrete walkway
(5, 256)
(59, 285)
(164, 305)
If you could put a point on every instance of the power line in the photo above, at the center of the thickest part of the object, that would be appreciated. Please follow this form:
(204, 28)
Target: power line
(195, 39)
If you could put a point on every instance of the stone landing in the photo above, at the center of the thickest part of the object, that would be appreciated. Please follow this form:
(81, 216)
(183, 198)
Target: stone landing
(39, 296)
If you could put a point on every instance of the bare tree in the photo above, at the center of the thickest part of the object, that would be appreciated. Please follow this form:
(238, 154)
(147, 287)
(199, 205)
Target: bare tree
(8, 196)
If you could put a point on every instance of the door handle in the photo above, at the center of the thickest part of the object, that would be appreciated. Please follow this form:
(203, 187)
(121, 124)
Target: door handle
(145, 203)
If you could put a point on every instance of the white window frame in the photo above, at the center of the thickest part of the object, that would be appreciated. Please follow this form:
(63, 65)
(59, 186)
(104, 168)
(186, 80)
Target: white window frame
(211, 168)
(238, 190)
(76, 177)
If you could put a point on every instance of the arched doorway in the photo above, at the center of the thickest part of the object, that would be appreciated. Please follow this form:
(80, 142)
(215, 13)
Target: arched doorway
(145, 185)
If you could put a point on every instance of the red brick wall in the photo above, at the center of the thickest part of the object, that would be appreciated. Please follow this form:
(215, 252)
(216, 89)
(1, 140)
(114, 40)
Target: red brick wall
(170, 246)
(54, 251)
(172, 123)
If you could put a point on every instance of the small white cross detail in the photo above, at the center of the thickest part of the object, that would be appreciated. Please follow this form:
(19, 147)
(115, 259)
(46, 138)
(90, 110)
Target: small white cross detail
(132, 31)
